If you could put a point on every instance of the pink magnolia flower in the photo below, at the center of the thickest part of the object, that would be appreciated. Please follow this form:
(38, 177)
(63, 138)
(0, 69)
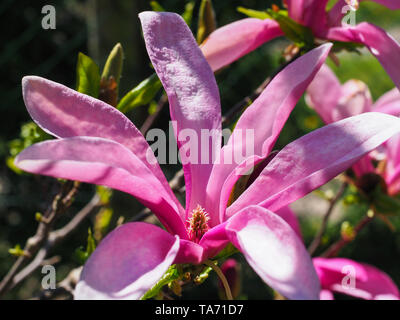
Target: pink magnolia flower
(98, 144)
(236, 39)
(334, 102)
(355, 279)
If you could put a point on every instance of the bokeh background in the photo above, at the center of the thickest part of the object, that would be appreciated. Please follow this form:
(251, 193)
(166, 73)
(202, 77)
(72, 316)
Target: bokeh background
(94, 27)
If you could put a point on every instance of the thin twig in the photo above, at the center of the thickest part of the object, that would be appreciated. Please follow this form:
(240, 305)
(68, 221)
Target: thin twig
(332, 203)
(153, 117)
(335, 248)
(46, 240)
(222, 277)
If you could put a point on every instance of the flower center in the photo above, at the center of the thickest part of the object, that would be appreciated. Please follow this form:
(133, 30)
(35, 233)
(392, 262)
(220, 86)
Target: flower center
(197, 224)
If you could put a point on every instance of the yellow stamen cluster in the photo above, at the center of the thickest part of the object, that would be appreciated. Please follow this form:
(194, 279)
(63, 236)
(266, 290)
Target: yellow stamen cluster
(197, 224)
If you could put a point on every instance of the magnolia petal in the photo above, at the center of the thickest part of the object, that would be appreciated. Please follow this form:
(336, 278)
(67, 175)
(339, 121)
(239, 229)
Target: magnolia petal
(355, 99)
(382, 45)
(287, 214)
(104, 162)
(389, 103)
(192, 93)
(260, 125)
(274, 251)
(232, 41)
(326, 295)
(323, 93)
(355, 279)
(316, 158)
(63, 113)
(214, 240)
(127, 263)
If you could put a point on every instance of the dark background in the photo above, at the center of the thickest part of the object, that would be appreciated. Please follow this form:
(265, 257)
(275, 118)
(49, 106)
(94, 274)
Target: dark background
(94, 27)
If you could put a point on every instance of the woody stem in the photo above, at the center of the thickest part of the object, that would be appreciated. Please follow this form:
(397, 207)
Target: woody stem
(222, 277)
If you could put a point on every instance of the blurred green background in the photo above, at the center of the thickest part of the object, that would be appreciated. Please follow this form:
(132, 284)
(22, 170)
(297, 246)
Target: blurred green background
(94, 27)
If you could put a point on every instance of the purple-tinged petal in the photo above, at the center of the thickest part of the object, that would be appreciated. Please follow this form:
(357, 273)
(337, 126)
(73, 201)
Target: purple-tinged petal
(314, 159)
(104, 162)
(382, 45)
(363, 166)
(310, 13)
(275, 252)
(355, 279)
(355, 99)
(189, 252)
(287, 214)
(392, 170)
(232, 41)
(127, 263)
(260, 125)
(323, 93)
(389, 103)
(192, 93)
(214, 240)
(326, 295)
(65, 113)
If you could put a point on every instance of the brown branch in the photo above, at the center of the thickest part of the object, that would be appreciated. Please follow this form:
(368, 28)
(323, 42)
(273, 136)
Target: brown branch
(335, 248)
(332, 203)
(44, 240)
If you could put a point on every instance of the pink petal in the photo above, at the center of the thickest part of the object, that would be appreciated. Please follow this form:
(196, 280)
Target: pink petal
(192, 93)
(389, 103)
(355, 279)
(392, 170)
(326, 295)
(263, 120)
(310, 13)
(324, 93)
(127, 263)
(382, 45)
(275, 252)
(355, 99)
(363, 166)
(290, 218)
(316, 158)
(104, 162)
(214, 240)
(232, 41)
(64, 113)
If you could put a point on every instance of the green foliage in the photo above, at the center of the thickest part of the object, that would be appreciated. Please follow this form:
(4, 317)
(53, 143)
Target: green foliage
(17, 251)
(254, 13)
(172, 274)
(187, 15)
(141, 95)
(156, 6)
(207, 23)
(83, 255)
(87, 76)
(113, 66)
(30, 134)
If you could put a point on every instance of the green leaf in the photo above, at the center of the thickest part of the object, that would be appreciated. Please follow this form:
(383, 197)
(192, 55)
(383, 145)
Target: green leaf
(82, 255)
(254, 13)
(299, 34)
(30, 133)
(384, 203)
(87, 76)
(16, 251)
(171, 275)
(229, 250)
(156, 6)
(140, 95)
(207, 23)
(347, 46)
(187, 15)
(113, 66)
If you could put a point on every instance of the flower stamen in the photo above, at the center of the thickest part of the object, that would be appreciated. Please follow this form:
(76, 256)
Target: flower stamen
(197, 224)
